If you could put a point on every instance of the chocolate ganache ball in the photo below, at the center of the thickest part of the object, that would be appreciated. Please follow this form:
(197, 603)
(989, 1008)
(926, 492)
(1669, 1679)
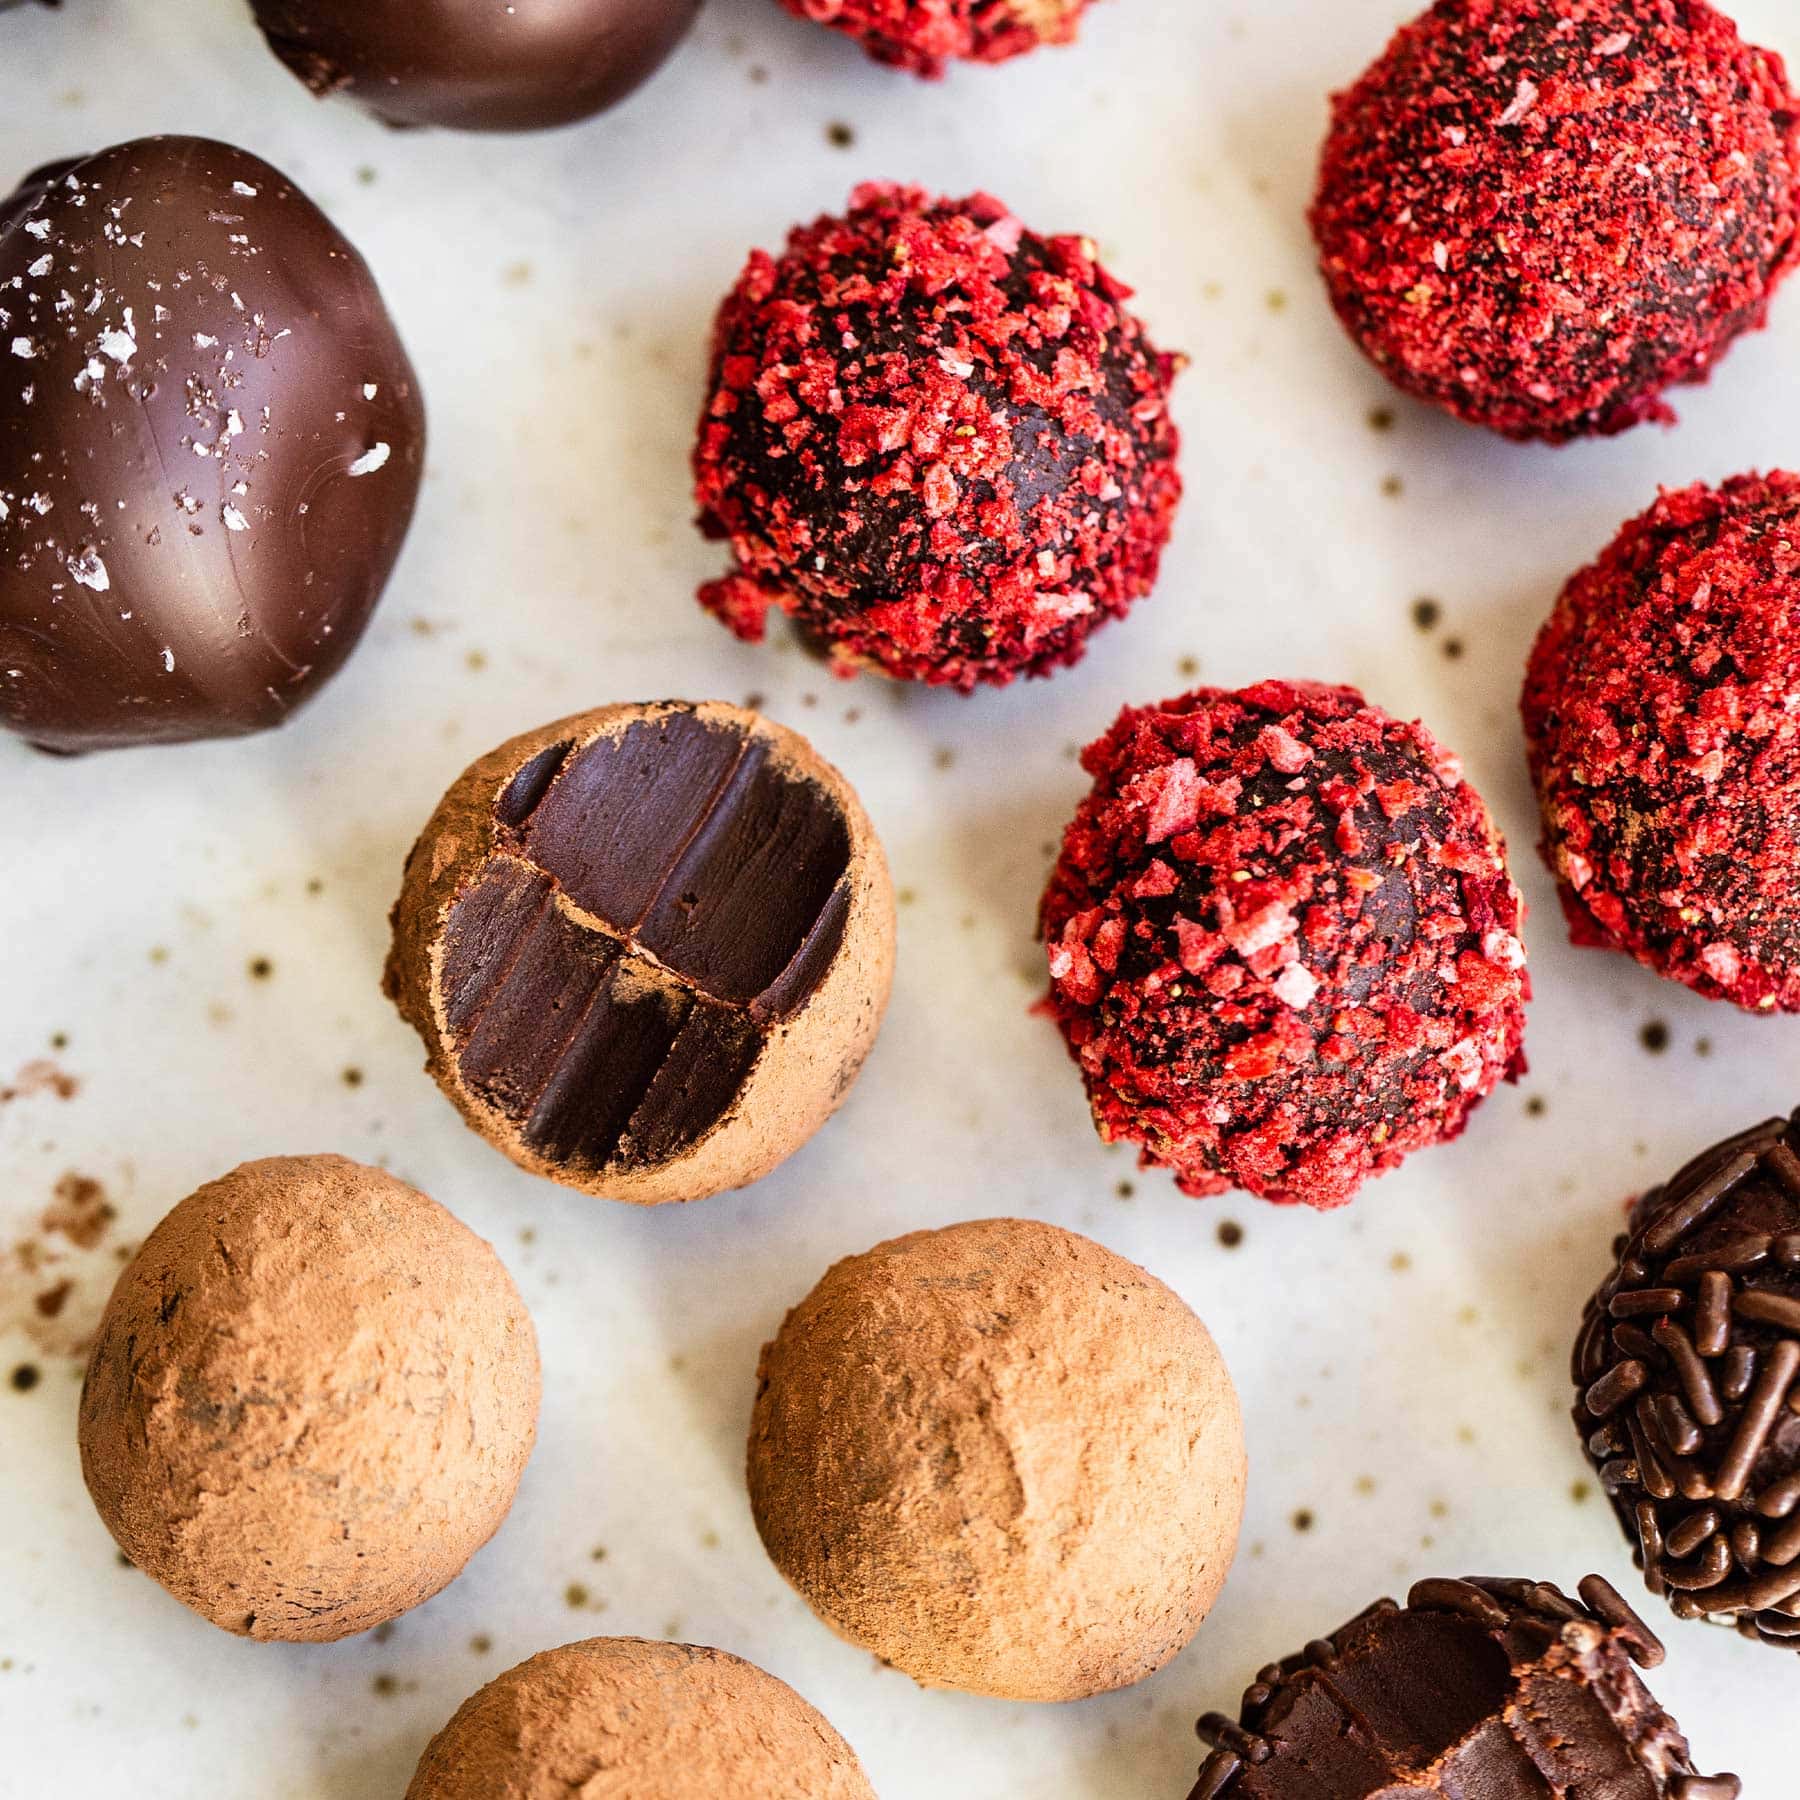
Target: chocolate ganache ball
(210, 445)
(476, 65)
(923, 35)
(937, 440)
(1540, 214)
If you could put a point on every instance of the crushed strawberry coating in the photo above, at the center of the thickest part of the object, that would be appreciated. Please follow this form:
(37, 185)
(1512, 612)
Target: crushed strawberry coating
(1284, 947)
(1662, 714)
(937, 440)
(1539, 214)
(923, 35)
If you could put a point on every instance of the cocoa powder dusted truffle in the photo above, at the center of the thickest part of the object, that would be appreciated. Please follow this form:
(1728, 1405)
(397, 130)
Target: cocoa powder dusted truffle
(631, 1720)
(210, 445)
(1000, 1458)
(937, 440)
(310, 1401)
(1283, 942)
(647, 947)
(1540, 214)
(1664, 744)
(1474, 1690)
(923, 35)
(1686, 1367)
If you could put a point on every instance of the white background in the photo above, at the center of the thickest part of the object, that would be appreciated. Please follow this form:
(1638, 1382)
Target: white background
(1401, 1362)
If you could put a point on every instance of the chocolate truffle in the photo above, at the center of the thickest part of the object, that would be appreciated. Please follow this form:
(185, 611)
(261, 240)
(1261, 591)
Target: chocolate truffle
(476, 65)
(310, 1401)
(1283, 941)
(1540, 214)
(1000, 1458)
(937, 440)
(922, 35)
(1659, 718)
(1474, 1690)
(647, 947)
(633, 1720)
(1686, 1367)
(210, 446)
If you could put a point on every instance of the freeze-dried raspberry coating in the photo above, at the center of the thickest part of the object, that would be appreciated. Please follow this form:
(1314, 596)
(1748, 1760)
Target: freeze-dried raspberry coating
(1540, 214)
(1661, 718)
(922, 35)
(937, 440)
(1283, 941)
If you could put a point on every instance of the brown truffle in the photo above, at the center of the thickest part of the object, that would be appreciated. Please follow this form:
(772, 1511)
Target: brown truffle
(311, 1399)
(628, 1719)
(1001, 1458)
(647, 947)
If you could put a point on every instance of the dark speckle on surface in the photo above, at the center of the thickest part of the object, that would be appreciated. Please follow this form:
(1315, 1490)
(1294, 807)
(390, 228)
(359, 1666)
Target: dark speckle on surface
(353, 1077)
(1381, 418)
(25, 1377)
(1303, 1519)
(261, 968)
(1654, 1036)
(1453, 648)
(384, 1686)
(480, 1644)
(575, 1594)
(1536, 1106)
(1427, 613)
(1231, 1233)
(839, 135)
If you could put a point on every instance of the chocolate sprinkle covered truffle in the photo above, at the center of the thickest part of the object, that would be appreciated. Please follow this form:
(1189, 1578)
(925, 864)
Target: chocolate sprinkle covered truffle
(1540, 214)
(1474, 1690)
(310, 1401)
(1000, 1458)
(1665, 747)
(210, 445)
(628, 1719)
(495, 65)
(647, 947)
(937, 440)
(923, 35)
(1283, 942)
(1686, 1366)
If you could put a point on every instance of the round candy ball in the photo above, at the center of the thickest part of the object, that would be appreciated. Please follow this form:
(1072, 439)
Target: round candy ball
(1000, 1458)
(633, 1720)
(310, 1401)
(1283, 941)
(923, 35)
(937, 440)
(1540, 214)
(1664, 745)
(210, 445)
(476, 65)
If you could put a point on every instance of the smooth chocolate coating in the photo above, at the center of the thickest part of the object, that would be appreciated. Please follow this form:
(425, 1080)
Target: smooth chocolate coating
(476, 65)
(211, 442)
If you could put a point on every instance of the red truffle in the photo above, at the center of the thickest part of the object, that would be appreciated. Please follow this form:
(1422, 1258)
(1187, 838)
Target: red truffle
(1283, 941)
(1664, 742)
(1539, 214)
(937, 440)
(922, 35)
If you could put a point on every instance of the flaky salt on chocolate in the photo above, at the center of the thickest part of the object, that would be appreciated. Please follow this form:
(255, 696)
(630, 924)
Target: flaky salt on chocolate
(924, 35)
(647, 947)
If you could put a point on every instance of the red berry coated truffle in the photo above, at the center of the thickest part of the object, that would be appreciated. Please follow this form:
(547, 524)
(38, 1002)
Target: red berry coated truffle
(1539, 214)
(1283, 941)
(937, 440)
(922, 35)
(1665, 745)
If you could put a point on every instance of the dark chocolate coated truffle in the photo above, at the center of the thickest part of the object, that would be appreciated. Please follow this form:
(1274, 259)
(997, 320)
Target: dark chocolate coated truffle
(1540, 214)
(1283, 941)
(923, 35)
(1474, 1690)
(1686, 1365)
(648, 947)
(476, 65)
(210, 445)
(1664, 744)
(937, 440)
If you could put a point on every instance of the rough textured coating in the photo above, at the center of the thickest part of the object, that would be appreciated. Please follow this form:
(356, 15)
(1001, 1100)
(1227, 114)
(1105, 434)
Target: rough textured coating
(624, 1719)
(476, 65)
(210, 445)
(1665, 747)
(923, 35)
(648, 947)
(1475, 1690)
(1001, 1458)
(937, 440)
(311, 1399)
(1540, 214)
(1283, 943)
(1686, 1369)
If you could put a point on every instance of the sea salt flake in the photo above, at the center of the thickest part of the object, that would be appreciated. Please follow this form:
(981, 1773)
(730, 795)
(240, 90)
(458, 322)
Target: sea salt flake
(372, 459)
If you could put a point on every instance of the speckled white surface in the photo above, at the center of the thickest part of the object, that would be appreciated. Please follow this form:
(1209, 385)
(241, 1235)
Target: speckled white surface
(1401, 1362)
